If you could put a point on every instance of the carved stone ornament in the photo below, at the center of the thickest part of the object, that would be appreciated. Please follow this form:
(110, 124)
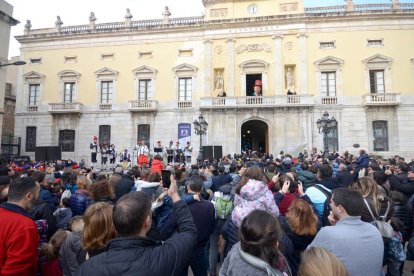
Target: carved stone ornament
(287, 7)
(218, 50)
(289, 46)
(253, 48)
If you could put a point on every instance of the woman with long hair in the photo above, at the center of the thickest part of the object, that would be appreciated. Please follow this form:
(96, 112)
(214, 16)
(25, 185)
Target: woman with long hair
(318, 261)
(99, 228)
(257, 253)
(300, 225)
(102, 191)
(378, 204)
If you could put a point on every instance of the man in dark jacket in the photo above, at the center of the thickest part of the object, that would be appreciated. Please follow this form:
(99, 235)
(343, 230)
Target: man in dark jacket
(344, 178)
(132, 253)
(204, 217)
(124, 186)
(399, 180)
(220, 179)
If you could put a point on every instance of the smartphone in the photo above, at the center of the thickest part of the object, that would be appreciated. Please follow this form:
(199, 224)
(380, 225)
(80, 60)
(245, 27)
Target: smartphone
(166, 181)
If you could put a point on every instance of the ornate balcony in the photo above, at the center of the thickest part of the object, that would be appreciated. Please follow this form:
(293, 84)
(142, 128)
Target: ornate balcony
(329, 100)
(142, 106)
(381, 99)
(56, 108)
(185, 104)
(105, 106)
(32, 108)
(262, 102)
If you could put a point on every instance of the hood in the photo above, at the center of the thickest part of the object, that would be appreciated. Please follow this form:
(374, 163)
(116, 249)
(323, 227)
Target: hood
(307, 174)
(253, 190)
(63, 212)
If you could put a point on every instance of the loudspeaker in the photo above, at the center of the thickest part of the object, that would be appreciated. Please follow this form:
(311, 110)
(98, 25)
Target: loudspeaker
(48, 153)
(218, 152)
(208, 153)
(41, 154)
(54, 153)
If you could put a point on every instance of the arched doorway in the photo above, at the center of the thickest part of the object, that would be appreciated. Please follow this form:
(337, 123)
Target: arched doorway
(255, 136)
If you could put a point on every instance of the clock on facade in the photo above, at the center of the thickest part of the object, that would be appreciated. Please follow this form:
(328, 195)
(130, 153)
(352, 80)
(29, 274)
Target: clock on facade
(252, 9)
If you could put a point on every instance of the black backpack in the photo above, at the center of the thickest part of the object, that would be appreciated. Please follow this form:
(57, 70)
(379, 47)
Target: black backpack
(326, 207)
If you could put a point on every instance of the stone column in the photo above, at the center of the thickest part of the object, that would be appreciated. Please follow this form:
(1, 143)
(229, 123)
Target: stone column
(230, 67)
(303, 64)
(278, 74)
(208, 62)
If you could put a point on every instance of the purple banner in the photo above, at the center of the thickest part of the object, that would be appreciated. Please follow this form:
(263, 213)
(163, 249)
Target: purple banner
(184, 134)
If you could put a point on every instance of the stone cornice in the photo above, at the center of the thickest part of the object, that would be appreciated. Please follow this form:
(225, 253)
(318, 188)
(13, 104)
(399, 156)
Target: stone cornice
(191, 24)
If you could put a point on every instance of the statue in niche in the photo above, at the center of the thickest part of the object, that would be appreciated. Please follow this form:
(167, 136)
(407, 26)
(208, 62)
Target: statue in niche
(219, 84)
(290, 79)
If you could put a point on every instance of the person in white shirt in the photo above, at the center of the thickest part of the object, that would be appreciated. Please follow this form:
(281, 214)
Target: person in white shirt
(188, 152)
(143, 152)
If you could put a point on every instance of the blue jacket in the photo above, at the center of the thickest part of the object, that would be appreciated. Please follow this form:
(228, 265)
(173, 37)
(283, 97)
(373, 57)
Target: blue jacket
(362, 161)
(79, 201)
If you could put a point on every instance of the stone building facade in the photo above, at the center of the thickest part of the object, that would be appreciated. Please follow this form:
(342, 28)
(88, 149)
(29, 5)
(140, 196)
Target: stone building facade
(135, 80)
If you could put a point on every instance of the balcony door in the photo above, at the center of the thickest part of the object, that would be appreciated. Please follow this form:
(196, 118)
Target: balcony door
(250, 80)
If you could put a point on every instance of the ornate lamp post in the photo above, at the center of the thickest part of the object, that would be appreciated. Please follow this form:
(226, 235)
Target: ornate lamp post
(200, 128)
(19, 62)
(325, 126)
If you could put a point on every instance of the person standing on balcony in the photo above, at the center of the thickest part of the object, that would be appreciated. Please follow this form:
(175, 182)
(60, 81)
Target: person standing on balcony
(257, 89)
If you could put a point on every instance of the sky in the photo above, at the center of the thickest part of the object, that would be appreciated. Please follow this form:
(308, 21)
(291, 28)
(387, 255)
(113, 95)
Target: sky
(42, 13)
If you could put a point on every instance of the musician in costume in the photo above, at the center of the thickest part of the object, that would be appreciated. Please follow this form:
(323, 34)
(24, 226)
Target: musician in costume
(188, 152)
(94, 151)
(170, 152)
(112, 156)
(142, 152)
(125, 159)
(104, 156)
(160, 150)
(178, 153)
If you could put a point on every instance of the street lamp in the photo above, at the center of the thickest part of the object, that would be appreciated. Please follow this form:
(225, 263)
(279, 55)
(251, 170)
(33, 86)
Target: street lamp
(325, 126)
(200, 128)
(19, 62)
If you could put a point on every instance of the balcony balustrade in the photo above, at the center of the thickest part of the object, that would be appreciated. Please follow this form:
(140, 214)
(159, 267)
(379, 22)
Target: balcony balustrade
(56, 108)
(142, 106)
(381, 99)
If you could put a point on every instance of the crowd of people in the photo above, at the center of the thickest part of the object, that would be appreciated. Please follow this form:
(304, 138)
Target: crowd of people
(247, 214)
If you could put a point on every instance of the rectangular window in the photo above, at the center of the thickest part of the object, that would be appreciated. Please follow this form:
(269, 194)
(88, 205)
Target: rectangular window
(30, 138)
(35, 60)
(34, 90)
(375, 42)
(328, 44)
(106, 91)
(184, 89)
(105, 134)
(71, 59)
(376, 81)
(67, 140)
(328, 84)
(144, 133)
(380, 131)
(69, 92)
(145, 90)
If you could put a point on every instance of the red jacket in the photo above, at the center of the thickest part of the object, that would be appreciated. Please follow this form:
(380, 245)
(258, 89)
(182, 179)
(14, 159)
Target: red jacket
(157, 166)
(18, 241)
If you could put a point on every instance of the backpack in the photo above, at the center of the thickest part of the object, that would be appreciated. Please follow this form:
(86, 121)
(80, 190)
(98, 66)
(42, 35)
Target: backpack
(384, 227)
(326, 206)
(395, 249)
(223, 207)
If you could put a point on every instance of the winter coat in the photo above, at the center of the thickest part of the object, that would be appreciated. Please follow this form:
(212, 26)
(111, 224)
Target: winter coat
(299, 242)
(239, 262)
(123, 187)
(157, 166)
(42, 211)
(79, 202)
(71, 254)
(403, 213)
(46, 195)
(19, 239)
(143, 256)
(344, 179)
(63, 217)
(366, 216)
(307, 178)
(254, 195)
